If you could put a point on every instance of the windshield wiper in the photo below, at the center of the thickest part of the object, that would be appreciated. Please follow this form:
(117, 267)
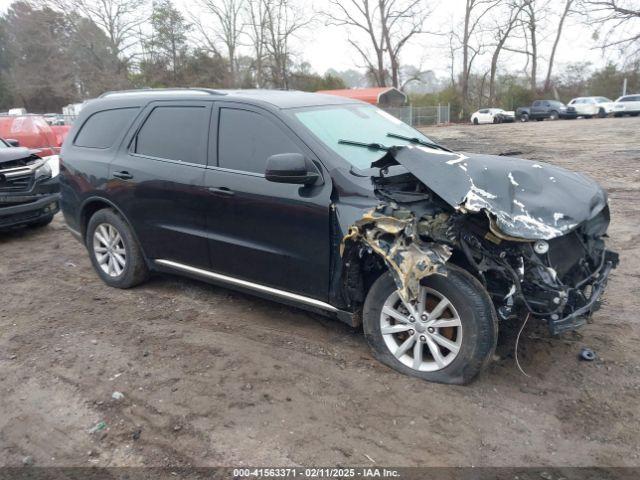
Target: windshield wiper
(418, 141)
(371, 146)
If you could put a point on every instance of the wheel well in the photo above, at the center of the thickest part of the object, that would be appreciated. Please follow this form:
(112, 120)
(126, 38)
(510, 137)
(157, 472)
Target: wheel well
(88, 211)
(373, 266)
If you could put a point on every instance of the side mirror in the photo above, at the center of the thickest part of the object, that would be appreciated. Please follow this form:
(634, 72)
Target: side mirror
(291, 168)
(13, 142)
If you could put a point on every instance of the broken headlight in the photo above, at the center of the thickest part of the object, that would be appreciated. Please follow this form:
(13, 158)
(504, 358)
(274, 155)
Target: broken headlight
(49, 169)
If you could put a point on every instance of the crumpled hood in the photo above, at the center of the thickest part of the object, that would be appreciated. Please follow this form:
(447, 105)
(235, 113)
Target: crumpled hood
(14, 153)
(529, 200)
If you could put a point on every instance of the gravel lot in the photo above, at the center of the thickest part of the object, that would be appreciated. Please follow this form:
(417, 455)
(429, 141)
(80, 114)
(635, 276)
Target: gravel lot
(214, 377)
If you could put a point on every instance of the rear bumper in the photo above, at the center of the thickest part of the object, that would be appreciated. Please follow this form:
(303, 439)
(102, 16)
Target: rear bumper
(585, 309)
(40, 207)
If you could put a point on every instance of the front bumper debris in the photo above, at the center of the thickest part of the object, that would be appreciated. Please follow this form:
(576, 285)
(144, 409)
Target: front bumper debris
(582, 313)
(42, 206)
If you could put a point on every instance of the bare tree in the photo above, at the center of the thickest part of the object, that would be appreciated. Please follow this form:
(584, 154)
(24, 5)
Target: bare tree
(257, 23)
(386, 26)
(475, 11)
(362, 16)
(282, 22)
(563, 16)
(119, 19)
(621, 18)
(530, 25)
(502, 33)
(227, 28)
(400, 22)
(168, 36)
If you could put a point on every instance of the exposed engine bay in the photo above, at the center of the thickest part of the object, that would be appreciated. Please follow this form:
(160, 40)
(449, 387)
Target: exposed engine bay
(533, 234)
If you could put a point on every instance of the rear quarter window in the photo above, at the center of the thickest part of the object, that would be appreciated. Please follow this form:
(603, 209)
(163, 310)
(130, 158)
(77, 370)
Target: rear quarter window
(175, 133)
(102, 129)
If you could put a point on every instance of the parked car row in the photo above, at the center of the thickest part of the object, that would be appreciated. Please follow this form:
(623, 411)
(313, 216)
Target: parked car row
(586, 107)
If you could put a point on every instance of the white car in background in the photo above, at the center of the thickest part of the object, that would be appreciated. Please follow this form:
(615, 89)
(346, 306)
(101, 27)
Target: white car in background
(627, 105)
(591, 106)
(492, 115)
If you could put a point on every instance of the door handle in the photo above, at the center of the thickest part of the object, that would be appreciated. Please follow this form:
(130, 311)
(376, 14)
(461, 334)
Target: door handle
(222, 191)
(124, 175)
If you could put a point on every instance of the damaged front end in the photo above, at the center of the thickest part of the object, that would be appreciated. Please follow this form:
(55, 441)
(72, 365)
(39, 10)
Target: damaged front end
(29, 189)
(559, 280)
(533, 234)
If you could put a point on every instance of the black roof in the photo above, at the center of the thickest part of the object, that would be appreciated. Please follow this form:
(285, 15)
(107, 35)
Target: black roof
(282, 99)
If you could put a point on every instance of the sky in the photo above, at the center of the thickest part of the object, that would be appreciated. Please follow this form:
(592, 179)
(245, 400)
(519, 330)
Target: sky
(326, 47)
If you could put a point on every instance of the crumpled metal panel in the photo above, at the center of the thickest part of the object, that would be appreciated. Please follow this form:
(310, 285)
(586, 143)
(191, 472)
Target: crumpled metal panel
(528, 200)
(392, 233)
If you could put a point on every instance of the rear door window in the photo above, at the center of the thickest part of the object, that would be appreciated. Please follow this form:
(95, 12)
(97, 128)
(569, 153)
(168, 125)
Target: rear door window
(102, 129)
(246, 139)
(175, 133)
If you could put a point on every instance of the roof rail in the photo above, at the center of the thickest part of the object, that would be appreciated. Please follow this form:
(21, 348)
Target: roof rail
(210, 91)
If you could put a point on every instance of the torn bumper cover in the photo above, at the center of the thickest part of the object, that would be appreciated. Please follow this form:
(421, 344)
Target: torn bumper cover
(531, 232)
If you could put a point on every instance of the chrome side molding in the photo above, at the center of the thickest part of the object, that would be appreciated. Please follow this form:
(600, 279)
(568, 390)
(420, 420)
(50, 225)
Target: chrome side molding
(249, 285)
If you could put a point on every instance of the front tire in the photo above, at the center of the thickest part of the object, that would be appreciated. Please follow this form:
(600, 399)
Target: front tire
(602, 113)
(114, 251)
(475, 121)
(524, 117)
(452, 334)
(554, 115)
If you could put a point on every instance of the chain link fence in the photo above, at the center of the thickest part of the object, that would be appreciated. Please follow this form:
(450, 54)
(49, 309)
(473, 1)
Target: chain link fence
(421, 116)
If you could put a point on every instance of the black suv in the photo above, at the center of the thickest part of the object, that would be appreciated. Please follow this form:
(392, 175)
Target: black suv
(335, 206)
(28, 187)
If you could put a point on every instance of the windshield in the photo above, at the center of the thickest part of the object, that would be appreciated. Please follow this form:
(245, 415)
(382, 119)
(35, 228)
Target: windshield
(357, 123)
(3, 144)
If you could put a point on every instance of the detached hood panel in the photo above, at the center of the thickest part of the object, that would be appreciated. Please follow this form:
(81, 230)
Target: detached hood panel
(528, 200)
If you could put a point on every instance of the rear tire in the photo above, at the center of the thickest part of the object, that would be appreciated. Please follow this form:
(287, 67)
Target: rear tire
(114, 251)
(474, 336)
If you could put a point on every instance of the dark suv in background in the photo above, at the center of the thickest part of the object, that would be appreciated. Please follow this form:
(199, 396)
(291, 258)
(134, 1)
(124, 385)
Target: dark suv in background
(335, 206)
(541, 109)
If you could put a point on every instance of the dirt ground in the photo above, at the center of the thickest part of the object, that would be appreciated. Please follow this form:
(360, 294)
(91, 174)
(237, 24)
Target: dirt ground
(213, 377)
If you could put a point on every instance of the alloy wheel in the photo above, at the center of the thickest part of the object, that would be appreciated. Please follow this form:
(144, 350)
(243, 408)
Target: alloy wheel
(425, 336)
(109, 249)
